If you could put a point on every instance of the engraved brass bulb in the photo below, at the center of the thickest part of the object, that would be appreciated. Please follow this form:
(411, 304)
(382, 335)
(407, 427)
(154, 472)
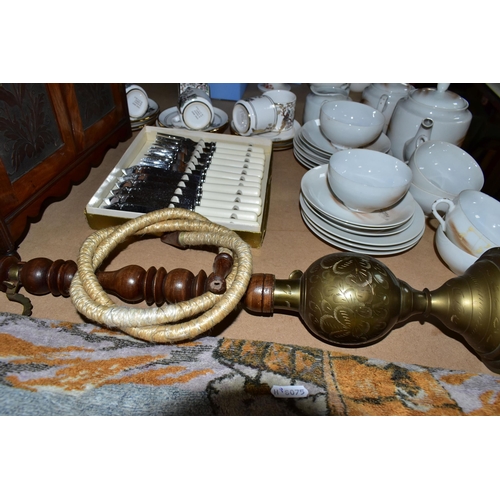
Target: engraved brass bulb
(351, 300)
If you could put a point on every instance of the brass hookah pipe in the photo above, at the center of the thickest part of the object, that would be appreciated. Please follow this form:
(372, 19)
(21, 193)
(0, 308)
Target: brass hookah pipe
(346, 299)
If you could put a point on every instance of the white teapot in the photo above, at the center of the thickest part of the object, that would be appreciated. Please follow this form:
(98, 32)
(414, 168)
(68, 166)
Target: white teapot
(448, 111)
(384, 97)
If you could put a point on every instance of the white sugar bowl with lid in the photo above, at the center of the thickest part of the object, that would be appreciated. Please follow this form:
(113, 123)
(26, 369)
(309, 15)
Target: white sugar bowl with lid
(448, 111)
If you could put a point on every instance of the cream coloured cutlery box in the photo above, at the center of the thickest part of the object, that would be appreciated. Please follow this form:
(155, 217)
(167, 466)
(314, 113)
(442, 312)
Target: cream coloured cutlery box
(227, 177)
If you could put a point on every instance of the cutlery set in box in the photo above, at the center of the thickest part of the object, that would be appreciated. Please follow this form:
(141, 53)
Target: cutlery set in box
(224, 178)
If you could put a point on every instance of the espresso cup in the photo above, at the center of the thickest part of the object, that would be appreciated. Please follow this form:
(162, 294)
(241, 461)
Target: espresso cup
(470, 221)
(195, 108)
(137, 100)
(256, 115)
(284, 102)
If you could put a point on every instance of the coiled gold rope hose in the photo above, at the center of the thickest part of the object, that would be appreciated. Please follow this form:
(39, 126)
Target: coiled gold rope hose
(171, 322)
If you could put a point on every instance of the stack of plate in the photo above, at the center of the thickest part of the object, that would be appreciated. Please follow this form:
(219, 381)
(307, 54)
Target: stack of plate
(379, 233)
(149, 118)
(312, 148)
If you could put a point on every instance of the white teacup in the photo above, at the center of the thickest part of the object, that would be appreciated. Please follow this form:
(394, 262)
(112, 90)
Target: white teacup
(471, 221)
(255, 115)
(445, 169)
(366, 180)
(195, 108)
(456, 259)
(350, 124)
(284, 102)
(137, 100)
(424, 198)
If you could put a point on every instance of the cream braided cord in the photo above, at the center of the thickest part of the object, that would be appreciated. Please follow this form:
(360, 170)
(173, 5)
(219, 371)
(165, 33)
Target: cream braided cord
(155, 324)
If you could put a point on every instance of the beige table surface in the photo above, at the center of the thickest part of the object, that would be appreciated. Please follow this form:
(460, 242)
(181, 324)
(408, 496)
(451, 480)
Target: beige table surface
(288, 245)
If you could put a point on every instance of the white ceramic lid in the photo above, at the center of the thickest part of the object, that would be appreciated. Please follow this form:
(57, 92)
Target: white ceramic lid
(440, 97)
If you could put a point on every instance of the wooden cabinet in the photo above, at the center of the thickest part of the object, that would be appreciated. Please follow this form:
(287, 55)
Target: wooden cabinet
(51, 135)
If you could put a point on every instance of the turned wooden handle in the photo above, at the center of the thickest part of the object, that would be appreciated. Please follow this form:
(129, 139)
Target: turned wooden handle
(216, 282)
(260, 294)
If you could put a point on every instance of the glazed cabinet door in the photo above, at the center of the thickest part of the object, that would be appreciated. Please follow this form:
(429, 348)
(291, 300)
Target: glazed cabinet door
(36, 142)
(50, 137)
(96, 109)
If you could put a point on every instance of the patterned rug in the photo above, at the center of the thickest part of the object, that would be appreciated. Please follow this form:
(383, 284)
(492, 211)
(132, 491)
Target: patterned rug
(53, 368)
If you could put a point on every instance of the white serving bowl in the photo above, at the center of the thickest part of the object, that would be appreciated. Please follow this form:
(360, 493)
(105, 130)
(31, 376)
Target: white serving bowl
(445, 169)
(424, 198)
(350, 124)
(455, 258)
(366, 180)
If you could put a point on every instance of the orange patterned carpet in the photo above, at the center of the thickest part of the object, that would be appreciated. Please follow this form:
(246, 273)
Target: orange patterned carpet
(53, 368)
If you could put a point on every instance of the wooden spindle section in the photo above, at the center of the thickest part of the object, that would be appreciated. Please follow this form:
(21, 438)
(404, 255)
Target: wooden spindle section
(39, 276)
(155, 286)
(132, 283)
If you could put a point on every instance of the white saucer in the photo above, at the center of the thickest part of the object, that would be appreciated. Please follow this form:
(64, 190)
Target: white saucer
(312, 156)
(305, 161)
(364, 231)
(309, 152)
(287, 135)
(398, 241)
(347, 245)
(148, 118)
(328, 238)
(153, 108)
(311, 133)
(170, 118)
(283, 136)
(315, 188)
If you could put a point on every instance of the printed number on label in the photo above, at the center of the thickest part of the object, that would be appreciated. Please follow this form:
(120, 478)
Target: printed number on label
(289, 391)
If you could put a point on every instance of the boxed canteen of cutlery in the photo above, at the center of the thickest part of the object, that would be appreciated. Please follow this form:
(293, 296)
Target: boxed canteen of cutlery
(225, 178)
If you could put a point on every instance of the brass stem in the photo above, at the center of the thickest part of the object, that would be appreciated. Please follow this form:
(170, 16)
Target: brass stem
(287, 293)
